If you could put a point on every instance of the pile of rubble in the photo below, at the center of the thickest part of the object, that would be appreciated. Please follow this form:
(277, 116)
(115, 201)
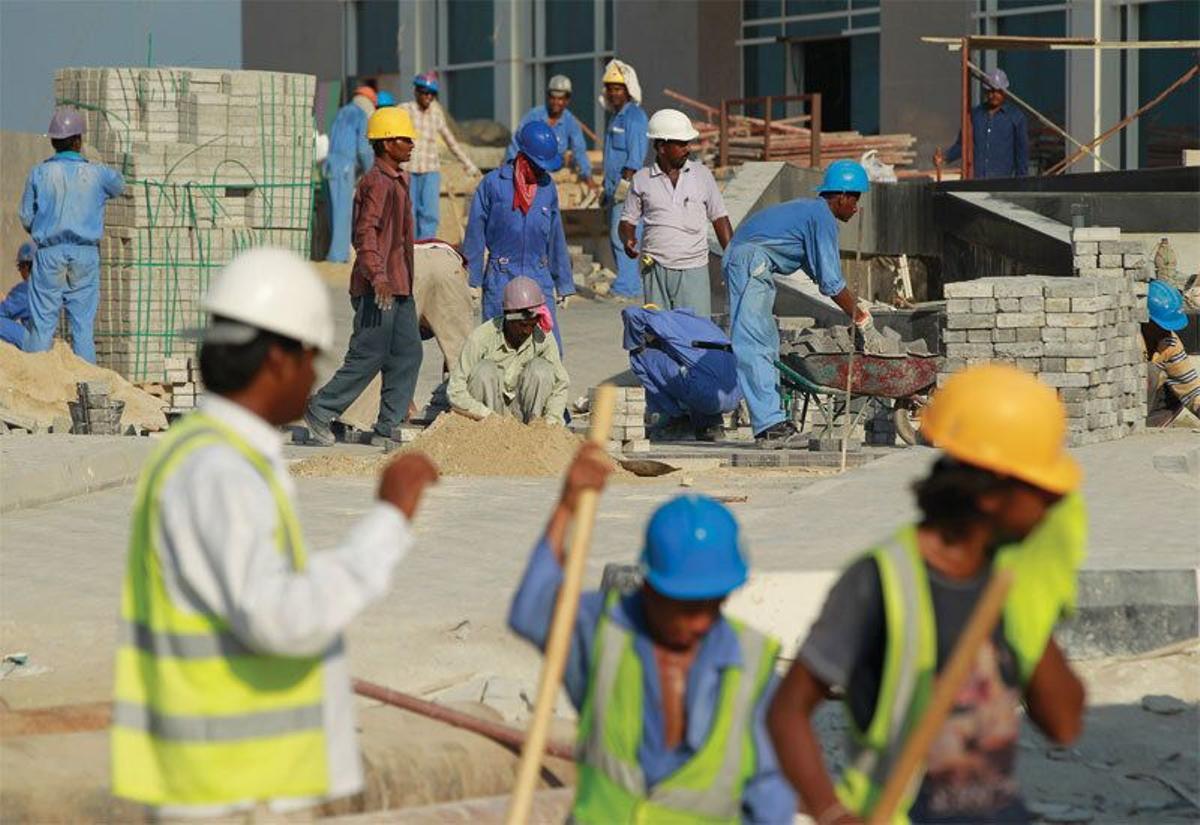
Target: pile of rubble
(810, 339)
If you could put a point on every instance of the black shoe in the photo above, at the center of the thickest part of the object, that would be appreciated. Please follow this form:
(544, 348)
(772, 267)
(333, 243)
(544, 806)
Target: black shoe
(709, 432)
(777, 436)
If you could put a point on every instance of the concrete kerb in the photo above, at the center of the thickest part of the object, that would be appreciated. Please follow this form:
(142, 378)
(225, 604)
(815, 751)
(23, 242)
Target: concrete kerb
(34, 471)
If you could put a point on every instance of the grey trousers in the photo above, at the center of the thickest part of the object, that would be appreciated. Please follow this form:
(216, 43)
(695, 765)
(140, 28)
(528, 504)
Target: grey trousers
(677, 288)
(384, 343)
(528, 403)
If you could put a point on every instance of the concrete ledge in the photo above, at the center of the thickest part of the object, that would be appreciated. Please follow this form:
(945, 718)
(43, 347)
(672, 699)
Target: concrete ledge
(41, 469)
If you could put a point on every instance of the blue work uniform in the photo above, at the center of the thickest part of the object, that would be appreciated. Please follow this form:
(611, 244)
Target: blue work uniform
(350, 155)
(767, 796)
(801, 234)
(1000, 141)
(566, 131)
(625, 147)
(62, 208)
(530, 244)
(14, 315)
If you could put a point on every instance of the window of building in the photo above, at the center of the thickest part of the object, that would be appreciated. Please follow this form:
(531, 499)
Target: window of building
(377, 23)
(466, 39)
(1174, 124)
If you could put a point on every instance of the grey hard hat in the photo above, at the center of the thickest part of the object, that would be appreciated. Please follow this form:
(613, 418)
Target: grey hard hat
(522, 293)
(67, 122)
(560, 84)
(996, 79)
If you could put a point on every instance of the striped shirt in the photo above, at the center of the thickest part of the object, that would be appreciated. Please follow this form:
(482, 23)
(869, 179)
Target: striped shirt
(430, 124)
(1180, 376)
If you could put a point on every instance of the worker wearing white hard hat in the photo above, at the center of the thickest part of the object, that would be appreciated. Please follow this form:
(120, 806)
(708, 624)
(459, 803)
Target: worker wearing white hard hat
(625, 149)
(232, 689)
(567, 131)
(999, 134)
(676, 199)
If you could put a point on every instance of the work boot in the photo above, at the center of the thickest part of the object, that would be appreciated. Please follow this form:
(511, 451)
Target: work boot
(318, 432)
(709, 432)
(777, 436)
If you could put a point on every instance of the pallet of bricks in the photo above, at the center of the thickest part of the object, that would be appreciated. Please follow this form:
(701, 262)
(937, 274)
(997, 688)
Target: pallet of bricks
(629, 420)
(1080, 335)
(181, 386)
(214, 162)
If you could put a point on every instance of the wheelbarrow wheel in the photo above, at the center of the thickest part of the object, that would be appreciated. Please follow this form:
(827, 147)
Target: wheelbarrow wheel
(906, 417)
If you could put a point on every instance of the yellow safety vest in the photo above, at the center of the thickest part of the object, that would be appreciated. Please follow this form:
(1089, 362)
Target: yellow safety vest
(199, 718)
(611, 787)
(1045, 566)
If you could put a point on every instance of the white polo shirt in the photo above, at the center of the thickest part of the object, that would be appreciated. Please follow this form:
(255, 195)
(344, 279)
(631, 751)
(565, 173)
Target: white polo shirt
(676, 216)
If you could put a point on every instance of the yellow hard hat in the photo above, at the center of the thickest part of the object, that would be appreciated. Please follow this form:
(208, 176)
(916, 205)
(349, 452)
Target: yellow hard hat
(999, 418)
(390, 122)
(613, 73)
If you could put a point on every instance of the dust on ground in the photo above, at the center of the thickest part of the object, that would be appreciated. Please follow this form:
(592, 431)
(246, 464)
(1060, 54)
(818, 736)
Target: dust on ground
(38, 385)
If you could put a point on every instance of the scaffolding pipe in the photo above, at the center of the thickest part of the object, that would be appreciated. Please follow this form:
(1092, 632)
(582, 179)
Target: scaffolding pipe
(1096, 80)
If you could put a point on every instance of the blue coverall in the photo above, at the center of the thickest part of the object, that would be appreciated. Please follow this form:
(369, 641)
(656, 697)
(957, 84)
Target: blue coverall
(1000, 140)
(14, 315)
(625, 147)
(530, 244)
(62, 208)
(566, 132)
(349, 155)
(801, 234)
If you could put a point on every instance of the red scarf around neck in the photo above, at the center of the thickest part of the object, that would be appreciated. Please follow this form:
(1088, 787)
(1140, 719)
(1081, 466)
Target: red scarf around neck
(524, 183)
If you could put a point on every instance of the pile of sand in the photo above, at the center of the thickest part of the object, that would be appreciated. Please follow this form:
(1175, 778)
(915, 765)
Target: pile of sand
(459, 446)
(38, 385)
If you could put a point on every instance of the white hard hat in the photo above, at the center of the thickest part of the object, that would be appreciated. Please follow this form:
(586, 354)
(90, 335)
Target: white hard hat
(671, 124)
(559, 84)
(274, 290)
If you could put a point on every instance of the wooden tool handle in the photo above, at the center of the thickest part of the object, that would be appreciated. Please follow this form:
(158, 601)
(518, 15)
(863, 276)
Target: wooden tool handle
(979, 628)
(558, 643)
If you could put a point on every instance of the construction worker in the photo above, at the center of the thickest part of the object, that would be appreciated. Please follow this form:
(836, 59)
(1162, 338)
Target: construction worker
(426, 165)
(676, 199)
(670, 691)
(349, 156)
(567, 131)
(625, 148)
(1003, 494)
(1174, 381)
(800, 234)
(509, 365)
(62, 209)
(232, 687)
(999, 134)
(515, 218)
(387, 336)
(14, 309)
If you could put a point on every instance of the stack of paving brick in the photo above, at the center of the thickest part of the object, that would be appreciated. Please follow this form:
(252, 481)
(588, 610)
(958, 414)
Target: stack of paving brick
(183, 377)
(215, 162)
(1077, 334)
(629, 420)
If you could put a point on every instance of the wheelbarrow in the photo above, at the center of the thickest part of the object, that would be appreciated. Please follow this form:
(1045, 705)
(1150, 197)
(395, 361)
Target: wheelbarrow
(876, 382)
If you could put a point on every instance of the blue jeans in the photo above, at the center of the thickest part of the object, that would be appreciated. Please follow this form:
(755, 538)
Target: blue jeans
(753, 332)
(426, 188)
(64, 276)
(339, 172)
(629, 270)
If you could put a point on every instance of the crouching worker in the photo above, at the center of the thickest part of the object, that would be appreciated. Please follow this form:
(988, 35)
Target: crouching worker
(1002, 495)
(510, 365)
(671, 693)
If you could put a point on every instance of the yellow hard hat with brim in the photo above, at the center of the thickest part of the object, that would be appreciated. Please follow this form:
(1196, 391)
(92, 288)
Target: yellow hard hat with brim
(390, 122)
(998, 418)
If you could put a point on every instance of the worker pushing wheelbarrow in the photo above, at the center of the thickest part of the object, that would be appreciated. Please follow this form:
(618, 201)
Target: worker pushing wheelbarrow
(901, 383)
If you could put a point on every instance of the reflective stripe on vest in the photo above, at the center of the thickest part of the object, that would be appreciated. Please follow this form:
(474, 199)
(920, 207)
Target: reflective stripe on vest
(200, 718)
(707, 787)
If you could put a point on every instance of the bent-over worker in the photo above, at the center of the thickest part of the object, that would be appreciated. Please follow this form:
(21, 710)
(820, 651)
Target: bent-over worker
(1003, 494)
(1174, 383)
(671, 693)
(232, 688)
(14, 309)
(675, 199)
(625, 147)
(509, 365)
(566, 128)
(349, 156)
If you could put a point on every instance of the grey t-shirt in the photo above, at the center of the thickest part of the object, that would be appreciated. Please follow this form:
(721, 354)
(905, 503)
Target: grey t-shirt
(971, 770)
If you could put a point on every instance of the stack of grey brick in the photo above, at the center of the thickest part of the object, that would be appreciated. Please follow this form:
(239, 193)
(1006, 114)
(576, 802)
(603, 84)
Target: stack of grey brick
(1078, 334)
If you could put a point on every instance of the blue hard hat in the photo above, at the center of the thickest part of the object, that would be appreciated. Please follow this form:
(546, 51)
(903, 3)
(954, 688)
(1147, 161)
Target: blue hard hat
(692, 550)
(845, 176)
(1166, 306)
(537, 142)
(384, 99)
(427, 81)
(25, 253)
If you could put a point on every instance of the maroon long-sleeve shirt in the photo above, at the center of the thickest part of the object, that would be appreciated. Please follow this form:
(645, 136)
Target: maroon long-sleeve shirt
(383, 231)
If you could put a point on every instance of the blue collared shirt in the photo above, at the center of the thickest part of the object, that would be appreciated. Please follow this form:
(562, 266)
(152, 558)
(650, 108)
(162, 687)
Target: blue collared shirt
(625, 144)
(517, 243)
(64, 198)
(1001, 142)
(348, 138)
(767, 796)
(797, 234)
(567, 132)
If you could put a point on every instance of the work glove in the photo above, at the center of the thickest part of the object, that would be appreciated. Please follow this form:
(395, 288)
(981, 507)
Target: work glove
(564, 301)
(869, 339)
(621, 192)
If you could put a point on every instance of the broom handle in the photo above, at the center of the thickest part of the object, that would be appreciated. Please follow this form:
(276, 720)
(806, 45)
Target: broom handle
(558, 643)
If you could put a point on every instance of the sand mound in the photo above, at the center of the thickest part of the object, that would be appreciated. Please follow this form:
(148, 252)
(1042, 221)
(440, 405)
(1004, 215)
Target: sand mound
(38, 385)
(459, 446)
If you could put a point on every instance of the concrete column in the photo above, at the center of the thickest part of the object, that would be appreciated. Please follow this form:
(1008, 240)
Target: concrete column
(1080, 75)
(416, 40)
